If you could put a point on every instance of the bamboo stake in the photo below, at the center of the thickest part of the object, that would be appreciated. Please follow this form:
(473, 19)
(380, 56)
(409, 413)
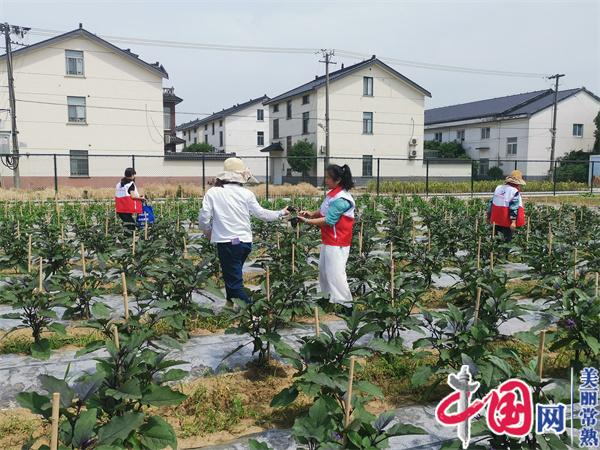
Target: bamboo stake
(428, 240)
(550, 239)
(492, 260)
(133, 243)
(298, 230)
(597, 285)
(392, 270)
(476, 225)
(360, 238)
(479, 253)
(125, 296)
(41, 276)
(528, 231)
(18, 229)
(575, 263)
(106, 225)
(82, 251)
(540, 360)
(268, 283)
(146, 229)
(278, 242)
(317, 327)
(349, 394)
(185, 248)
(493, 230)
(62, 233)
(29, 254)
(115, 331)
(55, 417)
(477, 305)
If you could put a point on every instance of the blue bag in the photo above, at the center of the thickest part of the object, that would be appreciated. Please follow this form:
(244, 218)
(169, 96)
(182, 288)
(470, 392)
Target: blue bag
(147, 215)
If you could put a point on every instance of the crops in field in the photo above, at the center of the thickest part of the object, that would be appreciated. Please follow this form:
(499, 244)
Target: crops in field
(129, 306)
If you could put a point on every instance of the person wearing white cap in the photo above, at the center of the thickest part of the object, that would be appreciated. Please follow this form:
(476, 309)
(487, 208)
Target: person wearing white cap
(505, 209)
(225, 220)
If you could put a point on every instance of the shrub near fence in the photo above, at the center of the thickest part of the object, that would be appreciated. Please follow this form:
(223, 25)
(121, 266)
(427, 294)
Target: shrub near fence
(448, 187)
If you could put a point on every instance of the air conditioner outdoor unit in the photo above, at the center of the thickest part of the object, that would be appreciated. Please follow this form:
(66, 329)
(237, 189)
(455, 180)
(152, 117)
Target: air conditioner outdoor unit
(412, 153)
(4, 144)
(413, 141)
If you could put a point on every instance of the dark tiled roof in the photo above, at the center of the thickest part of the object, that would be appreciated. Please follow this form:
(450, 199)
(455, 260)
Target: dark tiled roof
(170, 97)
(221, 114)
(157, 67)
(274, 147)
(519, 104)
(336, 75)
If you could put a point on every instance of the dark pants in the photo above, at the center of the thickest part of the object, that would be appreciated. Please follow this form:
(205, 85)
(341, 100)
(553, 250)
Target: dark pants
(506, 232)
(232, 258)
(128, 221)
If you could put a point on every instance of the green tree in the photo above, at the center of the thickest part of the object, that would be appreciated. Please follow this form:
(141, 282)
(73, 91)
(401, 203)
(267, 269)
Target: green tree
(597, 133)
(452, 149)
(202, 147)
(302, 157)
(574, 166)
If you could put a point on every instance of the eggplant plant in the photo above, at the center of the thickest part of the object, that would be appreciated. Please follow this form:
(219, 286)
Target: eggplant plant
(78, 294)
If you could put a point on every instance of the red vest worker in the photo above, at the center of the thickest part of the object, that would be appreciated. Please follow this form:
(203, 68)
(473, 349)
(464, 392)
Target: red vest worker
(505, 209)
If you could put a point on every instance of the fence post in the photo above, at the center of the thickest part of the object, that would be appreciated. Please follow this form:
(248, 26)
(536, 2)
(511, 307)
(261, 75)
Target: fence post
(324, 172)
(133, 162)
(378, 169)
(592, 178)
(55, 175)
(516, 161)
(472, 178)
(267, 177)
(554, 178)
(427, 177)
(203, 173)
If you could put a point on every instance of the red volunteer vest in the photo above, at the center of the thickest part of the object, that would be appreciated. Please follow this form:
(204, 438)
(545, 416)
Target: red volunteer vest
(123, 201)
(500, 206)
(341, 233)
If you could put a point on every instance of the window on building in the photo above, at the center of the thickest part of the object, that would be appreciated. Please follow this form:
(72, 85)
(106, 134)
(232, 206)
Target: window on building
(79, 163)
(220, 139)
(76, 107)
(578, 129)
(306, 99)
(220, 123)
(511, 146)
(260, 138)
(485, 133)
(74, 61)
(276, 107)
(305, 118)
(166, 118)
(437, 137)
(288, 143)
(289, 109)
(206, 138)
(460, 135)
(195, 140)
(213, 128)
(367, 166)
(275, 128)
(368, 86)
(367, 123)
(484, 166)
(260, 114)
(206, 127)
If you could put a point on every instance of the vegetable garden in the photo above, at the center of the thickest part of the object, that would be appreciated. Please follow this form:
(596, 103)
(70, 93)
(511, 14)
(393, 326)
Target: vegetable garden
(125, 341)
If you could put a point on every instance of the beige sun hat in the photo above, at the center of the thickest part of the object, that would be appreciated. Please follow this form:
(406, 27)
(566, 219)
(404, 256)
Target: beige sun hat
(515, 177)
(235, 171)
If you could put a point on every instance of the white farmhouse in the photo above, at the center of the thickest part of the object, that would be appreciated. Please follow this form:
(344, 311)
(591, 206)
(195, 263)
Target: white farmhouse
(375, 112)
(79, 96)
(506, 131)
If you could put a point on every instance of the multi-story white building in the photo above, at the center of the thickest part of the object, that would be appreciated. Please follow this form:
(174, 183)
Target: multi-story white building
(375, 112)
(77, 96)
(506, 131)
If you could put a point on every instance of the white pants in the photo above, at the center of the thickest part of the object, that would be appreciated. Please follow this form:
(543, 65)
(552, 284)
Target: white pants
(332, 274)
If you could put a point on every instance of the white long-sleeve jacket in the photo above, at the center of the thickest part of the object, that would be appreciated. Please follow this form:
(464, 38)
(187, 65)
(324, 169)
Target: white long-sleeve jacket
(226, 213)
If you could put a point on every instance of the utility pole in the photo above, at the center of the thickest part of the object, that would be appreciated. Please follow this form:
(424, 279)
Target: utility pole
(553, 130)
(12, 162)
(327, 54)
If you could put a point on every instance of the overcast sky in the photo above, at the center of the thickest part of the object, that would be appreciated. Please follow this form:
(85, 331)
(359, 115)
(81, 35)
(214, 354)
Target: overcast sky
(519, 36)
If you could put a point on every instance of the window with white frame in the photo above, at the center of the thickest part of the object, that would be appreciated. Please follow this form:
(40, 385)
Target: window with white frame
(460, 135)
(511, 146)
(368, 86)
(437, 136)
(485, 133)
(578, 129)
(367, 165)
(76, 106)
(260, 138)
(79, 163)
(260, 115)
(74, 62)
(306, 99)
(367, 123)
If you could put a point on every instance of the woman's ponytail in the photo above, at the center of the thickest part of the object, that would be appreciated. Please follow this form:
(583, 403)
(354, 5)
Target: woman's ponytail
(343, 174)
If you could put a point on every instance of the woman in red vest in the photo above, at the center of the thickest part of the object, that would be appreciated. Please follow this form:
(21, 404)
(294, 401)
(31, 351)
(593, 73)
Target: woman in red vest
(128, 200)
(336, 219)
(505, 209)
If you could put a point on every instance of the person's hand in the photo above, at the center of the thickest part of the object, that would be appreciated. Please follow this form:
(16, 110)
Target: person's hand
(304, 214)
(513, 225)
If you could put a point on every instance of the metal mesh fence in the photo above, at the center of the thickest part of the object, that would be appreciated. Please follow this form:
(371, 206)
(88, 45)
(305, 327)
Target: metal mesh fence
(79, 173)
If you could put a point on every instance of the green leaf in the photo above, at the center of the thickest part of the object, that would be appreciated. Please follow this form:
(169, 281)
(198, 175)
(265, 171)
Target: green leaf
(158, 434)
(170, 342)
(174, 375)
(119, 427)
(130, 390)
(161, 396)
(101, 311)
(592, 342)
(368, 388)
(41, 350)
(253, 444)
(84, 427)
(285, 397)
(421, 376)
(52, 384)
(58, 328)
(402, 429)
(36, 403)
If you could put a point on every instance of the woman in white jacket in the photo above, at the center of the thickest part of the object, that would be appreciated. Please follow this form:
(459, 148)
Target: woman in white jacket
(225, 220)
